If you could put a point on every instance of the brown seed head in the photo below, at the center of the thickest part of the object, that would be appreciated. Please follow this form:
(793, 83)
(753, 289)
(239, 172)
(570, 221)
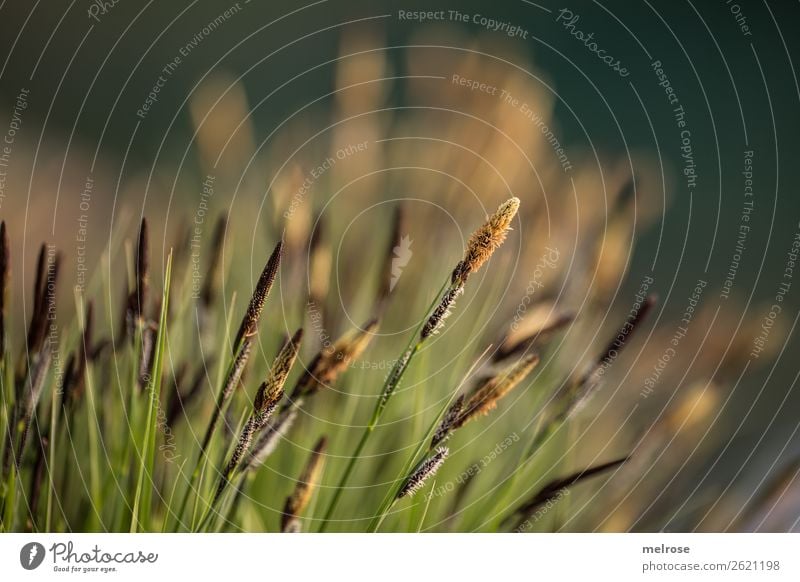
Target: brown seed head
(39, 283)
(515, 342)
(271, 390)
(390, 258)
(5, 276)
(423, 472)
(486, 240)
(46, 302)
(445, 428)
(577, 394)
(142, 269)
(270, 436)
(554, 488)
(208, 294)
(297, 502)
(332, 361)
(249, 325)
(485, 398)
(436, 320)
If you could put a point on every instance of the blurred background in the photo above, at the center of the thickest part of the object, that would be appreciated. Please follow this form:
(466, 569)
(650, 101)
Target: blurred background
(318, 119)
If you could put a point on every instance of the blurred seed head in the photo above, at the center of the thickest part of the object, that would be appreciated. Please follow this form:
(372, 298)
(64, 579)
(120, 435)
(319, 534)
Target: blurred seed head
(486, 396)
(298, 501)
(332, 361)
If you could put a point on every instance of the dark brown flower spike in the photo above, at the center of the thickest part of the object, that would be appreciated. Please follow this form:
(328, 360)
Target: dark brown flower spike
(266, 401)
(249, 325)
(394, 255)
(138, 299)
(553, 489)
(5, 277)
(511, 346)
(436, 320)
(424, 471)
(210, 285)
(579, 393)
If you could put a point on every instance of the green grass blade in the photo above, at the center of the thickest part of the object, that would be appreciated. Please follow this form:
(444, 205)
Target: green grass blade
(143, 496)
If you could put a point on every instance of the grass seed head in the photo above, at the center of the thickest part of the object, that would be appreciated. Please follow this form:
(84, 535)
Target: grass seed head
(44, 297)
(555, 487)
(486, 240)
(390, 258)
(330, 362)
(271, 390)
(445, 428)
(514, 343)
(209, 291)
(297, 502)
(423, 472)
(269, 438)
(142, 268)
(5, 276)
(485, 398)
(249, 326)
(436, 320)
(578, 394)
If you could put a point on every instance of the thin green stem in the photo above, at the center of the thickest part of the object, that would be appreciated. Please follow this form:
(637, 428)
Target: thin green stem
(52, 459)
(539, 437)
(423, 446)
(142, 499)
(199, 465)
(389, 386)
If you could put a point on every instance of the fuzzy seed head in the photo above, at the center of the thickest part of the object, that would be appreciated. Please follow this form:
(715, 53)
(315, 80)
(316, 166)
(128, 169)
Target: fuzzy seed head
(235, 375)
(435, 322)
(424, 471)
(486, 240)
(249, 325)
(485, 398)
(271, 390)
(445, 428)
(271, 435)
(330, 362)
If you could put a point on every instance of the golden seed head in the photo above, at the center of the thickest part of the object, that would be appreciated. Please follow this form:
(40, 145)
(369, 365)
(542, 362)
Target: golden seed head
(332, 361)
(486, 240)
(485, 398)
(271, 390)
(345, 350)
